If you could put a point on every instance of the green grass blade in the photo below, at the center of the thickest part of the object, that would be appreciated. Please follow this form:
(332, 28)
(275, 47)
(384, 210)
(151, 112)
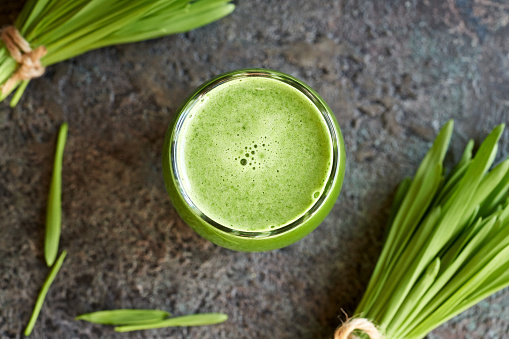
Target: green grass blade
(54, 209)
(461, 201)
(408, 254)
(188, 320)
(456, 206)
(411, 210)
(91, 28)
(417, 200)
(409, 268)
(414, 297)
(19, 92)
(465, 159)
(153, 27)
(69, 28)
(43, 292)
(504, 214)
(59, 15)
(124, 317)
(25, 12)
(437, 292)
(497, 197)
(490, 181)
(450, 183)
(7, 68)
(400, 195)
(497, 281)
(451, 307)
(33, 10)
(442, 262)
(170, 26)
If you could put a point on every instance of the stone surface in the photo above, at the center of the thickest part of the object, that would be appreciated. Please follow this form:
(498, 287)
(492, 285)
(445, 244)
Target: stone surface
(393, 73)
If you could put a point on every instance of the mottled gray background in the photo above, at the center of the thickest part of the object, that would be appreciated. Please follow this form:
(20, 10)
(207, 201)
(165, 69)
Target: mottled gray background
(393, 73)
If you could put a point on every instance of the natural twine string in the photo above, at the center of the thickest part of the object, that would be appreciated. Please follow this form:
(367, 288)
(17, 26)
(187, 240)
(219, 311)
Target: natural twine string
(346, 331)
(29, 60)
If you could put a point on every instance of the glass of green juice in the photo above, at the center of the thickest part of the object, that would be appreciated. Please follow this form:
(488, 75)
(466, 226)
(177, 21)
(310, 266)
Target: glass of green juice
(254, 160)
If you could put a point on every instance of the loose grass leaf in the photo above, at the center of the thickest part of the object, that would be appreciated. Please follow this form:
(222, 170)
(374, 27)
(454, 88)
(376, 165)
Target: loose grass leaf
(54, 208)
(188, 320)
(124, 317)
(43, 292)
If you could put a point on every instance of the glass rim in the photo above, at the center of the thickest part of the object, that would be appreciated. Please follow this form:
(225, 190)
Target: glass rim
(223, 78)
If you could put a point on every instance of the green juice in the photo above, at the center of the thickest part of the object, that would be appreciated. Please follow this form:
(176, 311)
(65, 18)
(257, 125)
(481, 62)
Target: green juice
(252, 162)
(256, 154)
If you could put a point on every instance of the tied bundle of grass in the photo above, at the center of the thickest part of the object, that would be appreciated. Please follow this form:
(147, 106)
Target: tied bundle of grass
(50, 31)
(447, 247)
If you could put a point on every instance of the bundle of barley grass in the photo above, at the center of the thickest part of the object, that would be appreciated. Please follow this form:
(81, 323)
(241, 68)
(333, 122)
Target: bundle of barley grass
(49, 31)
(447, 246)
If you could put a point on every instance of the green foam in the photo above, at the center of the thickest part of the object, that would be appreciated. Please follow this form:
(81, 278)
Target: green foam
(254, 154)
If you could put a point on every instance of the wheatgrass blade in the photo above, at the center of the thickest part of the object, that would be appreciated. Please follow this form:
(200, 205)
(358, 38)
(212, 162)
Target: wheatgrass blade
(188, 320)
(148, 27)
(19, 92)
(54, 208)
(35, 7)
(6, 68)
(425, 306)
(25, 12)
(450, 184)
(461, 198)
(479, 228)
(3, 52)
(466, 156)
(483, 247)
(53, 21)
(400, 195)
(415, 295)
(490, 181)
(69, 28)
(504, 214)
(410, 262)
(191, 20)
(411, 210)
(418, 198)
(447, 310)
(42, 294)
(449, 225)
(498, 280)
(496, 197)
(124, 317)
(452, 256)
(410, 255)
(89, 31)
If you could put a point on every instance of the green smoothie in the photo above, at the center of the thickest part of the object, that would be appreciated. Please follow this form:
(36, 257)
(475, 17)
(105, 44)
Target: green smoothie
(254, 154)
(254, 160)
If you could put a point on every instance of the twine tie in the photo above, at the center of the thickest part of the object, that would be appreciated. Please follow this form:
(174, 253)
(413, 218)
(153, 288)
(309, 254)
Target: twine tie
(28, 59)
(346, 331)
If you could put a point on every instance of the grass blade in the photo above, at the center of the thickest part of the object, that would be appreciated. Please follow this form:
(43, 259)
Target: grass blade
(436, 264)
(188, 320)
(124, 317)
(19, 92)
(43, 292)
(54, 209)
(69, 28)
(412, 208)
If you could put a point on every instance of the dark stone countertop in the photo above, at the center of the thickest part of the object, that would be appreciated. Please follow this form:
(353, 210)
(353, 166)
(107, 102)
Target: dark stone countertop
(392, 71)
